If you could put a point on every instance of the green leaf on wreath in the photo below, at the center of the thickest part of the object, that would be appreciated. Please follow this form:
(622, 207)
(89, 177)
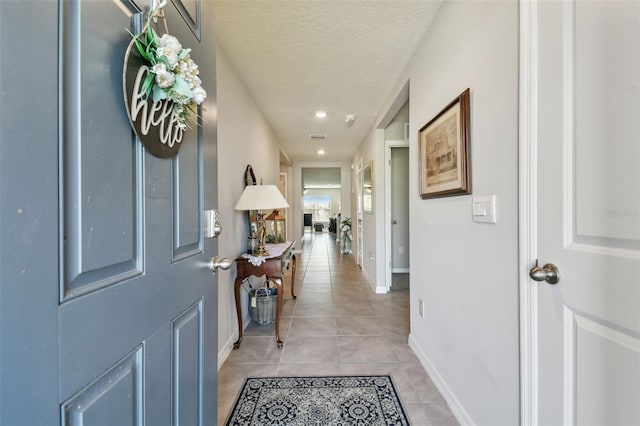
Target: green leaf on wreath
(148, 83)
(181, 87)
(159, 94)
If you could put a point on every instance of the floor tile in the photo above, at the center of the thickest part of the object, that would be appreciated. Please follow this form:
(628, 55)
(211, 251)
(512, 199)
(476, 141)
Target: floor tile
(256, 349)
(359, 326)
(337, 325)
(310, 349)
(315, 298)
(299, 369)
(314, 310)
(366, 349)
(313, 327)
(353, 309)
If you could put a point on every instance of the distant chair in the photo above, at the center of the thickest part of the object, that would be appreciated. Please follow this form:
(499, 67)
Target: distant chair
(308, 221)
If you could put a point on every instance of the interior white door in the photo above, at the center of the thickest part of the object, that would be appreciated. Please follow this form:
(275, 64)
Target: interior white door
(359, 240)
(587, 221)
(399, 209)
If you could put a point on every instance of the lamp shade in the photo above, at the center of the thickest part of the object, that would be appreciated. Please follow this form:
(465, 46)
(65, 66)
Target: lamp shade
(261, 197)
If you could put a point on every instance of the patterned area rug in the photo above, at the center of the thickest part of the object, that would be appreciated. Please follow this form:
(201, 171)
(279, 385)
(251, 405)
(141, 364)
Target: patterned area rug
(342, 400)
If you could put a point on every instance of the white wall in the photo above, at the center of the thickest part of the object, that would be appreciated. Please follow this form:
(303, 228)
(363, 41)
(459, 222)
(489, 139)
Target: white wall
(466, 272)
(372, 152)
(244, 137)
(395, 129)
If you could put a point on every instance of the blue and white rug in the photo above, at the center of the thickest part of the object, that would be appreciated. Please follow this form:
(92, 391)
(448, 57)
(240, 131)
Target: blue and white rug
(341, 400)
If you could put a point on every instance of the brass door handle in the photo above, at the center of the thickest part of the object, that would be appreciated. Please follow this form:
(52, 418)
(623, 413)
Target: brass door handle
(548, 273)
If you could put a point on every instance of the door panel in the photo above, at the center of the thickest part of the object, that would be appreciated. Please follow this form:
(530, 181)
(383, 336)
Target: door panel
(604, 111)
(187, 192)
(121, 386)
(103, 231)
(187, 367)
(589, 199)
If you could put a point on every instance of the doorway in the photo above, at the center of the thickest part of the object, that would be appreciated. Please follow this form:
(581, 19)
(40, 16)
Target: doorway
(397, 214)
(322, 198)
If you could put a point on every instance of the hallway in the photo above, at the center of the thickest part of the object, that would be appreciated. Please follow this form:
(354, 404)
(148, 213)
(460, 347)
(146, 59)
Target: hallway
(336, 326)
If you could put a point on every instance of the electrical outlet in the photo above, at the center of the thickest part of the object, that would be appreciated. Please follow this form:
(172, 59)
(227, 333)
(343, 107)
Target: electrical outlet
(421, 308)
(401, 250)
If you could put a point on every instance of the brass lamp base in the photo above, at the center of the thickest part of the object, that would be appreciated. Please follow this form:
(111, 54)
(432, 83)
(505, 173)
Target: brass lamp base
(260, 251)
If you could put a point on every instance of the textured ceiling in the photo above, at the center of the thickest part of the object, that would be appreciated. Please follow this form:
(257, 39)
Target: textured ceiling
(300, 56)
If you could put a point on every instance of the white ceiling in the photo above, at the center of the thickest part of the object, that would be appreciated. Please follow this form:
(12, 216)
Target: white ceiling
(341, 56)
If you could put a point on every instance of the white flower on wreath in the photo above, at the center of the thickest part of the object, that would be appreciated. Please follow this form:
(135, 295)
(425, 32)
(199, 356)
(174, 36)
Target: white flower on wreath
(164, 77)
(170, 48)
(199, 95)
(169, 42)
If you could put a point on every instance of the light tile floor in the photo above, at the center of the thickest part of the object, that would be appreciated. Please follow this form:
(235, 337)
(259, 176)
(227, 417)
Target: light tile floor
(336, 326)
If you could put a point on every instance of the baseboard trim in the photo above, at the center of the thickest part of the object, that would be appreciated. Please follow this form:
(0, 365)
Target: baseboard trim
(400, 270)
(381, 290)
(454, 404)
(225, 350)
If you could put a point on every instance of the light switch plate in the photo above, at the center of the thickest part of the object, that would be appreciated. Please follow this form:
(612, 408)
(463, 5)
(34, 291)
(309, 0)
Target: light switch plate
(484, 209)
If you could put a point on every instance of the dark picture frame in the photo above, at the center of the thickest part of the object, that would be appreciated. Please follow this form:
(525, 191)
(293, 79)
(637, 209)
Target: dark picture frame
(250, 179)
(443, 145)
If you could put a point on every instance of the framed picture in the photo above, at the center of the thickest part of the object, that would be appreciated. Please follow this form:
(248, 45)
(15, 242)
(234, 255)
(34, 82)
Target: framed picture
(250, 179)
(443, 144)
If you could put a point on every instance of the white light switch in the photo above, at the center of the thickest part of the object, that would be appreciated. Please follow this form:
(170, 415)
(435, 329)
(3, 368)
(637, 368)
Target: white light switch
(484, 208)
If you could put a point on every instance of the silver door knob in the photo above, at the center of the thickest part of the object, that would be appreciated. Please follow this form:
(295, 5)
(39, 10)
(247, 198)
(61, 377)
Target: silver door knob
(216, 262)
(548, 273)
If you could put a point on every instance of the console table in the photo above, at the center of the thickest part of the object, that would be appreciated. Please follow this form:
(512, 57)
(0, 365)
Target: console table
(273, 266)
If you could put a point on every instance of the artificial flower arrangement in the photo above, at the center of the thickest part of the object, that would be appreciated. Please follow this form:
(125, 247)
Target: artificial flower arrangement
(345, 241)
(172, 75)
(345, 225)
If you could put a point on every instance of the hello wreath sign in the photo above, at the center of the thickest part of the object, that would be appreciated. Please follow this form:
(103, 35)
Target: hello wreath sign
(162, 88)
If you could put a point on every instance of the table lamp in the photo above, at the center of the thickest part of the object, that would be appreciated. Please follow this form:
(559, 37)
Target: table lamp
(261, 197)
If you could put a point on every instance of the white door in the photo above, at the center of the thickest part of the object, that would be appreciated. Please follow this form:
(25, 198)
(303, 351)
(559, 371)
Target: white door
(581, 98)
(360, 243)
(396, 209)
(399, 209)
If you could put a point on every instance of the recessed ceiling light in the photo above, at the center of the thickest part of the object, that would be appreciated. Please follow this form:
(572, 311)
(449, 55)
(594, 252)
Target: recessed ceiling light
(321, 152)
(321, 114)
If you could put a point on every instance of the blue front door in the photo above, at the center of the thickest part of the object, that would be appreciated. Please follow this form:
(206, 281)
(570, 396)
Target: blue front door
(108, 311)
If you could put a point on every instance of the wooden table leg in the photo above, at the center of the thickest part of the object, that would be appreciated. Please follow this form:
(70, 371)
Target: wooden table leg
(278, 282)
(236, 290)
(293, 275)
